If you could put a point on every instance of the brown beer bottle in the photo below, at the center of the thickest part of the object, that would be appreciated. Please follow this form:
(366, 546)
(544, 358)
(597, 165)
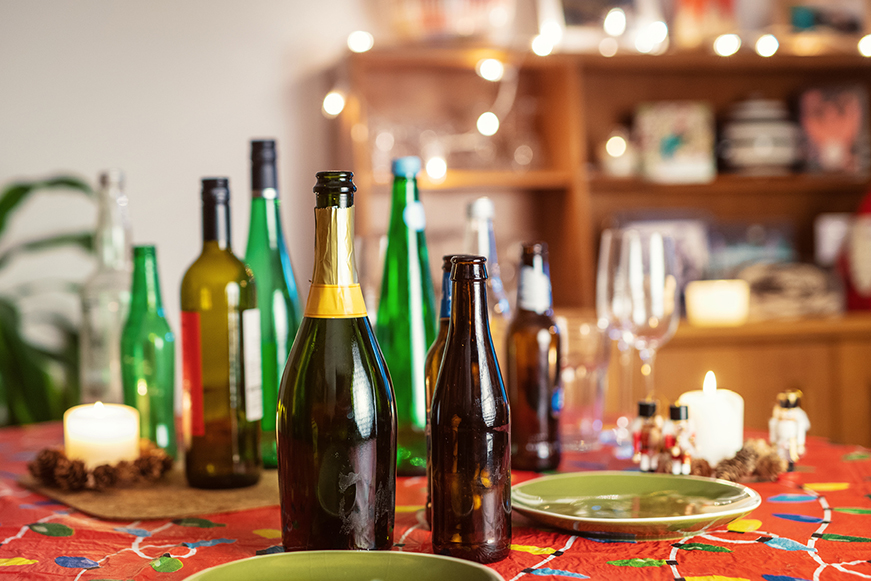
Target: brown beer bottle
(471, 430)
(432, 366)
(533, 367)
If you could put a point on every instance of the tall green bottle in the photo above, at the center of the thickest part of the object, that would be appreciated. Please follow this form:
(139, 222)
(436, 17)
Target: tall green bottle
(406, 324)
(148, 355)
(336, 414)
(277, 297)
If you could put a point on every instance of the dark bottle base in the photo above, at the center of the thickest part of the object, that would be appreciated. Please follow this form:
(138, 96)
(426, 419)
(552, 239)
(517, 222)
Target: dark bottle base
(535, 463)
(478, 552)
(218, 482)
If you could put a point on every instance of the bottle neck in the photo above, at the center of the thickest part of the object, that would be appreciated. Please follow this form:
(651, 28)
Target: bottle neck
(112, 242)
(265, 221)
(447, 292)
(534, 290)
(481, 240)
(335, 264)
(146, 284)
(264, 180)
(407, 211)
(216, 224)
(469, 316)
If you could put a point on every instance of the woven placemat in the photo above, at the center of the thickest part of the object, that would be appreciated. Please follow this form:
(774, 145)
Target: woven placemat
(168, 498)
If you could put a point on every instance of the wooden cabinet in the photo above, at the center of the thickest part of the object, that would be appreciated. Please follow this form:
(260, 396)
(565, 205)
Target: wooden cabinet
(571, 103)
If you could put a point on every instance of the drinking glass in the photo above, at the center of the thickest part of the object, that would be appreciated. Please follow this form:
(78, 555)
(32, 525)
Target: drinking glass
(586, 350)
(650, 277)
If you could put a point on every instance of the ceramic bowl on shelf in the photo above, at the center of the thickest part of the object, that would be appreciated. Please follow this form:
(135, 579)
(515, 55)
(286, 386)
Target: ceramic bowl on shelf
(759, 138)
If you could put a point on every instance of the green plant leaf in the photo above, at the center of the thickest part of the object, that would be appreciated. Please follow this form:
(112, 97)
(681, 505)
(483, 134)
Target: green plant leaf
(200, 523)
(166, 564)
(849, 510)
(51, 529)
(84, 240)
(703, 547)
(638, 563)
(17, 193)
(844, 538)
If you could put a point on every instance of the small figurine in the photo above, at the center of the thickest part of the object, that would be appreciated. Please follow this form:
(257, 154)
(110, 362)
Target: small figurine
(788, 426)
(678, 437)
(646, 436)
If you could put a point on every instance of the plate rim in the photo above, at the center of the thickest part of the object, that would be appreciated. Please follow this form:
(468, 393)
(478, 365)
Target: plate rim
(755, 499)
(198, 574)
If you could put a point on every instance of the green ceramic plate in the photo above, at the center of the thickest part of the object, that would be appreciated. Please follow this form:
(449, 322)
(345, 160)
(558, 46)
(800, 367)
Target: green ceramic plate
(349, 566)
(632, 505)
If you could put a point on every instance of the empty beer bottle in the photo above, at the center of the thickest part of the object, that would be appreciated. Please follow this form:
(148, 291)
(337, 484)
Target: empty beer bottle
(433, 364)
(148, 355)
(471, 430)
(220, 339)
(406, 324)
(277, 298)
(336, 415)
(533, 367)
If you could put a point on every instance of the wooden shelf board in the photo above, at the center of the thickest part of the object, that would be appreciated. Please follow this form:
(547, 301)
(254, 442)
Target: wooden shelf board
(530, 180)
(732, 184)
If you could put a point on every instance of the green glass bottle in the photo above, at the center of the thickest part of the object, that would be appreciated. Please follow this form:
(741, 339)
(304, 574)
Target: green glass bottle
(148, 355)
(220, 339)
(406, 324)
(277, 297)
(336, 413)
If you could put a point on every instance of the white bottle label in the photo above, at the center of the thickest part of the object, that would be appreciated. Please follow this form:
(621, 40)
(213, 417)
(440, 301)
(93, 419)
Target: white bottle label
(533, 292)
(253, 365)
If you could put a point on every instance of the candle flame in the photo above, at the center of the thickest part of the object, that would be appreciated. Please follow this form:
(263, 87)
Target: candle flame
(710, 384)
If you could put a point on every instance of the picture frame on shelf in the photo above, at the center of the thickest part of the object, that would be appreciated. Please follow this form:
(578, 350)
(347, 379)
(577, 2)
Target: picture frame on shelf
(676, 141)
(811, 27)
(578, 24)
(834, 124)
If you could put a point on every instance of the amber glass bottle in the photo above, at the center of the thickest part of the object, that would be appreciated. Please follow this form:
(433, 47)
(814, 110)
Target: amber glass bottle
(220, 336)
(433, 364)
(336, 413)
(533, 367)
(471, 430)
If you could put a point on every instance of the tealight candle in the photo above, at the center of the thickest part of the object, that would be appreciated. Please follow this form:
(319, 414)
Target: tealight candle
(717, 303)
(718, 418)
(101, 433)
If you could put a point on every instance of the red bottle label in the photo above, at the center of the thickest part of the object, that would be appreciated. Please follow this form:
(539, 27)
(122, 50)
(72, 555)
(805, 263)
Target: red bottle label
(192, 371)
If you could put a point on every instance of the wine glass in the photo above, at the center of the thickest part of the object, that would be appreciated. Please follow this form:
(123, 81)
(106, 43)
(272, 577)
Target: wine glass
(613, 311)
(649, 264)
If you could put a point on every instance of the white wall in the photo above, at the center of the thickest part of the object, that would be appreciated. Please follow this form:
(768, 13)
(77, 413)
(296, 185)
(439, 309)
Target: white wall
(169, 91)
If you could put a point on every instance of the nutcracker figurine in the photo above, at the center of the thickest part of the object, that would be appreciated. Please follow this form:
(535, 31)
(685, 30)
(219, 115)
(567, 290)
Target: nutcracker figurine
(678, 439)
(646, 436)
(788, 427)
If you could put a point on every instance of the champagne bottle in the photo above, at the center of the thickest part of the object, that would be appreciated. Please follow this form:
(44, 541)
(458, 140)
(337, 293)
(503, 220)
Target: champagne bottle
(433, 365)
(220, 332)
(105, 296)
(336, 412)
(148, 355)
(471, 430)
(533, 367)
(277, 297)
(406, 324)
(480, 239)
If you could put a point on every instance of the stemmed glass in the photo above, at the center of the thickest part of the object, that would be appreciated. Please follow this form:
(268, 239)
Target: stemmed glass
(649, 264)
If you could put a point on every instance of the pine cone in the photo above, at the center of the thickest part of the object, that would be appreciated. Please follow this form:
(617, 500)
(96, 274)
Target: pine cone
(759, 446)
(733, 469)
(127, 473)
(42, 467)
(150, 467)
(104, 476)
(663, 463)
(700, 467)
(769, 467)
(70, 474)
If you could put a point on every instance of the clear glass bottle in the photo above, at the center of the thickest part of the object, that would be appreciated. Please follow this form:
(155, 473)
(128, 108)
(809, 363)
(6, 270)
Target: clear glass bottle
(277, 296)
(480, 240)
(148, 355)
(105, 296)
(406, 315)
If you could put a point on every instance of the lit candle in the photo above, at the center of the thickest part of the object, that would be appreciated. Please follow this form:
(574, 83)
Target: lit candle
(718, 418)
(717, 303)
(101, 433)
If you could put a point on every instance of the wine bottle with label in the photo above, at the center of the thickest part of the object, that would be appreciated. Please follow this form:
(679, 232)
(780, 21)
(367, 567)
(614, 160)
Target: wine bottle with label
(533, 367)
(471, 430)
(220, 332)
(336, 412)
(406, 324)
(277, 298)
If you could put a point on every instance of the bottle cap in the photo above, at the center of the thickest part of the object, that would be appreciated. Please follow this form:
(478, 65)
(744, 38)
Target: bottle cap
(216, 190)
(468, 267)
(482, 209)
(446, 262)
(646, 409)
(406, 167)
(262, 150)
(678, 412)
(112, 177)
(144, 250)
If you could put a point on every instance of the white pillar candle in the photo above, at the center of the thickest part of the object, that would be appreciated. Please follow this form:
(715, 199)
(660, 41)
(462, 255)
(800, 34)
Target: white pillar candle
(101, 433)
(717, 303)
(718, 418)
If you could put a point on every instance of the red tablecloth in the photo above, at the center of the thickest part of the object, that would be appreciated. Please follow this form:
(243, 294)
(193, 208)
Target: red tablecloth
(813, 524)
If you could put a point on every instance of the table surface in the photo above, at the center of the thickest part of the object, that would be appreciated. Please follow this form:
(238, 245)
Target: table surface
(814, 523)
